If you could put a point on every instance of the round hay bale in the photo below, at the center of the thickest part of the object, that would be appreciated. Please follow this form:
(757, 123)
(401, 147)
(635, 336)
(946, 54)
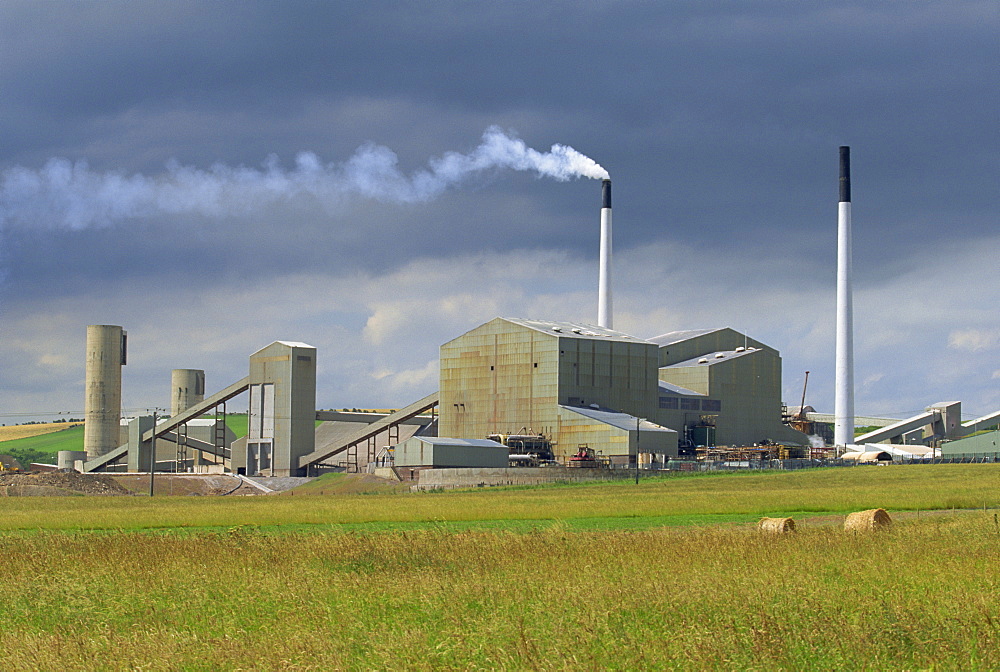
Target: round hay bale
(867, 521)
(776, 525)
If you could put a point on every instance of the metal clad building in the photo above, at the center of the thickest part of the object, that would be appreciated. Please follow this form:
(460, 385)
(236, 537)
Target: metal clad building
(513, 375)
(615, 434)
(740, 383)
(980, 444)
(678, 346)
(442, 452)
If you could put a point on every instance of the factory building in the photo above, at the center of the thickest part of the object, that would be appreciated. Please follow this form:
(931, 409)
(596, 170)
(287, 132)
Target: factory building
(512, 376)
(591, 391)
(582, 385)
(973, 446)
(722, 388)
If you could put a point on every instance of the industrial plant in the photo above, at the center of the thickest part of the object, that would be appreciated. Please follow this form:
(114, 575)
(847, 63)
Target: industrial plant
(518, 399)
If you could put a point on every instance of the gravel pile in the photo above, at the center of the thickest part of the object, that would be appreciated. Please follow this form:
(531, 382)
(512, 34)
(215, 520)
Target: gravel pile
(55, 483)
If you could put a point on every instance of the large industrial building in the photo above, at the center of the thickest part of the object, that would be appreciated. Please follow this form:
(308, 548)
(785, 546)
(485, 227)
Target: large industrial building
(720, 387)
(582, 385)
(527, 376)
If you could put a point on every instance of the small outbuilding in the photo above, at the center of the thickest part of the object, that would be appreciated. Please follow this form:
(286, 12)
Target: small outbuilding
(441, 452)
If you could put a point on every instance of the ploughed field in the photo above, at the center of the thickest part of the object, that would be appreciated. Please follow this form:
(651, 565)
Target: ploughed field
(667, 574)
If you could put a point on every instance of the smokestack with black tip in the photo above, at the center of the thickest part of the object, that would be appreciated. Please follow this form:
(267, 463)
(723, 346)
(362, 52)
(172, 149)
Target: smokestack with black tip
(604, 279)
(843, 427)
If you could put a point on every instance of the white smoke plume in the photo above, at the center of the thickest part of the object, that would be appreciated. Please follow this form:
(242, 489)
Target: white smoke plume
(71, 195)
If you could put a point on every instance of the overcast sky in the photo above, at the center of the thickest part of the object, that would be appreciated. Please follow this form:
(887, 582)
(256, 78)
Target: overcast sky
(214, 176)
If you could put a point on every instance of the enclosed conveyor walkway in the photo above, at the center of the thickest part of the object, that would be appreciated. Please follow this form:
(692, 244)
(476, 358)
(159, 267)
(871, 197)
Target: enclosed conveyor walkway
(983, 422)
(168, 428)
(402, 416)
(897, 428)
(198, 409)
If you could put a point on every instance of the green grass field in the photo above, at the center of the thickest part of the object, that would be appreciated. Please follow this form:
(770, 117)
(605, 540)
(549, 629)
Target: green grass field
(44, 448)
(675, 500)
(595, 576)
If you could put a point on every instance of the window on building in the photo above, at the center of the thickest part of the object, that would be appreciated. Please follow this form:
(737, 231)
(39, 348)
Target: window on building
(712, 405)
(668, 402)
(688, 404)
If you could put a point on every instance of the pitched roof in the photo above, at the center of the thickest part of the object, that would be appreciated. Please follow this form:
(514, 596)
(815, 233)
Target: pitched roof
(449, 441)
(672, 337)
(711, 358)
(575, 330)
(677, 389)
(616, 419)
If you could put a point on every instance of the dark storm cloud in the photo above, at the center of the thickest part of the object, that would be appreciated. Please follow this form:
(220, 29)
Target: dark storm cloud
(718, 113)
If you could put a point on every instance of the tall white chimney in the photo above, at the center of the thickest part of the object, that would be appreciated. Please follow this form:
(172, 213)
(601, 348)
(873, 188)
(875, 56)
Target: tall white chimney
(604, 277)
(843, 429)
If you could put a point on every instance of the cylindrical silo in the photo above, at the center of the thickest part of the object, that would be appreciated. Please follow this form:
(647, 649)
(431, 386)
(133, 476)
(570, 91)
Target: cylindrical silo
(187, 389)
(67, 459)
(105, 357)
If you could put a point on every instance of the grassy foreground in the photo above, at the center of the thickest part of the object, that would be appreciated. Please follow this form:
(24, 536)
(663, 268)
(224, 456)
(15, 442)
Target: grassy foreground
(571, 577)
(924, 595)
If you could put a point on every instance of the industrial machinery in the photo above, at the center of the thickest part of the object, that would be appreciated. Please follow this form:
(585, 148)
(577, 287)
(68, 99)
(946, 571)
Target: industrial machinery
(586, 458)
(9, 464)
(800, 421)
(526, 450)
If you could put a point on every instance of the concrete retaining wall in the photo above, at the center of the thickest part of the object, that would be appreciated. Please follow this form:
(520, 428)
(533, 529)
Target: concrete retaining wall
(434, 479)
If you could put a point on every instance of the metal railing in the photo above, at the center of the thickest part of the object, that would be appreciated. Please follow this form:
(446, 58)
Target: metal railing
(793, 464)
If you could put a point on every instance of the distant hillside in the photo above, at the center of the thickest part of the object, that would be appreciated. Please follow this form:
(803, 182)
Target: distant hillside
(43, 447)
(24, 431)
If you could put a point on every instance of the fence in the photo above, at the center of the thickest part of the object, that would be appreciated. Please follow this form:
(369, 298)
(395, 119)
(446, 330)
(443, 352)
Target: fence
(789, 465)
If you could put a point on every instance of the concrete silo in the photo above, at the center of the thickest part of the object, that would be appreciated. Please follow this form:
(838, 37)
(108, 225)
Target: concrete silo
(106, 354)
(187, 389)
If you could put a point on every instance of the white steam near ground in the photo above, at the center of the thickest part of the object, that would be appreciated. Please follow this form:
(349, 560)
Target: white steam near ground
(71, 195)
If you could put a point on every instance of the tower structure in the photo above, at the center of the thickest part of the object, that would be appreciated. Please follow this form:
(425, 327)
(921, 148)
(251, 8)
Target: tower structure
(843, 429)
(604, 302)
(187, 388)
(106, 354)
